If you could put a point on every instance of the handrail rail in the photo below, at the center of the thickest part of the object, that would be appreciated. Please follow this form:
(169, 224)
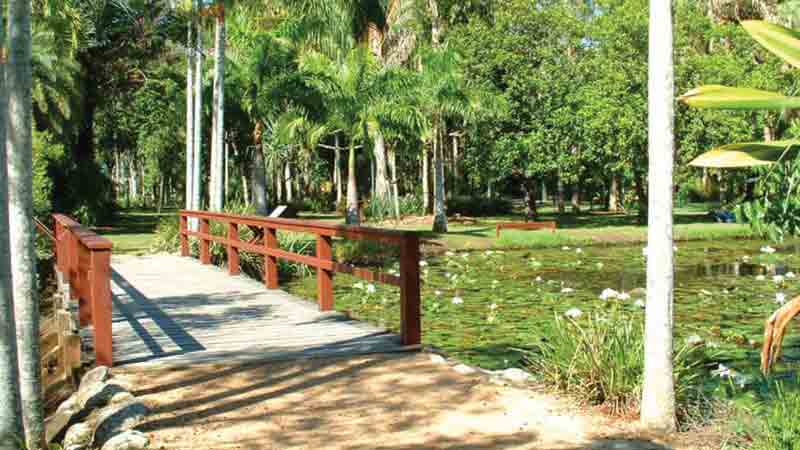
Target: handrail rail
(266, 231)
(83, 259)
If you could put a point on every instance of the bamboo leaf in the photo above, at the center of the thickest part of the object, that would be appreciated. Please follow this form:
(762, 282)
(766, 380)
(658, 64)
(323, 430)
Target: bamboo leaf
(748, 154)
(779, 40)
(724, 97)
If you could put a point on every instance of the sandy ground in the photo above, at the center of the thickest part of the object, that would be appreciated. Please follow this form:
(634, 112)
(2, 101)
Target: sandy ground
(386, 402)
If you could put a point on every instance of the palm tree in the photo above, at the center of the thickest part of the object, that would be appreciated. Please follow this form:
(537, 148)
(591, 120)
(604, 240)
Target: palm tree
(190, 55)
(20, 201)
(658, 392)
(197, 128)
(10, 423)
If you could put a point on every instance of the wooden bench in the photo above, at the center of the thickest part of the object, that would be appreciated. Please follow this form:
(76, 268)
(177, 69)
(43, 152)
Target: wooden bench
(551, 225)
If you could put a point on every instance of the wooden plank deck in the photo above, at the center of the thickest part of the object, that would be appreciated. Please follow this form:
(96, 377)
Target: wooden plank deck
(173, 311)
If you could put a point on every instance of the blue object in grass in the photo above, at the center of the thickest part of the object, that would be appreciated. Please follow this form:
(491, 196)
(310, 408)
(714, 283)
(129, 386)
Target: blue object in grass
(724, 216)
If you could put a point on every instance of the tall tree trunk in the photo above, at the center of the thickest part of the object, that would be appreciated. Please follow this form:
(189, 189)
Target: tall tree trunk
(658, 393)
(353, 216)
(613, 194)
(337, 169)
(217, 191)
(258, 178)
(641, 196)
(382, 187)
(226, 173)
(576, 198)
(426, 180)
(456, 167)
(197, 146)
(287, 176)
(560, 198)
(190, 110)
(10, 413)
(440, 204)
(529, 186)
(544, 192)
(21, 227)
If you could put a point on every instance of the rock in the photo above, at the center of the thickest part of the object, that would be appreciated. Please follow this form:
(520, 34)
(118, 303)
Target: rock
(438, 359)
(98, 395)
(79, 435)
(97, 375)
(55, 424)
(121, 397)
(127, 440)
(464, 369)
(515, 375)
(117, 418)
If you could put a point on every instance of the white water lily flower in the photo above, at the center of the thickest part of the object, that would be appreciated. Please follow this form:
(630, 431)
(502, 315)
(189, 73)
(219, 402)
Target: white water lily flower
(640, 303)
(464, 255)
(567, 290)
(423, 263)
(712, 345)
(599, 265)
(705, 292)
(790, 275)
(767, 249)
(565, 248)
(780, 298)
(609, 294)
(488, 253)
(778, 279)
(437, 293)
(539, 279)
(493, 306)
(578, 250)
(674, 248)
(694, 340)
(458, 300)
(761, 278)
(359, 285)
(624, 296)
(573, 313)
(745, 258)
(495, 282)
(370, 288)
(449, 254)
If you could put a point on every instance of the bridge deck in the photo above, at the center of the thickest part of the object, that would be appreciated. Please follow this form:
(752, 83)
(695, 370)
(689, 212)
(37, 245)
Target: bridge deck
(172, 311)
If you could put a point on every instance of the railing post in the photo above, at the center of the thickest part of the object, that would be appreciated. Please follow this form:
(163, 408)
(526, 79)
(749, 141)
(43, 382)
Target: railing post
(100, 298)
(270, 262)
(58, 233)
(410, 321)
(233, 251)
(324, 277)
(184, 236)
(205, 254)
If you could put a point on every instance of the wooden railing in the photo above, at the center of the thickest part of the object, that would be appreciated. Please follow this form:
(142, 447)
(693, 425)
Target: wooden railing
(83, 259)
(265, 243)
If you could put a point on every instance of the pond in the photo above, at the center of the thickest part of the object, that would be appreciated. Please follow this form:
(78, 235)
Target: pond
(481, 306)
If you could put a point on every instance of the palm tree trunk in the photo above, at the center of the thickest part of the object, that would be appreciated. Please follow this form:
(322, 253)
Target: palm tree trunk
(393, 174)
(426, 180)
(353, 216)
(190, 111)
(258, 178)
(613, 194)
(217, 191)
(337, 169)
(382, 187)
(658, 393)
(21, 228)
(440, 205)
(287, 176)
(197, 146)
(10, 423)
(576, 198)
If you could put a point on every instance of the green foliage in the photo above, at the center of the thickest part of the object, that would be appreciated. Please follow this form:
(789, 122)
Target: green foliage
(48, 156)
(478, 206)
(765, 417)
(600, 360)
(775, 214)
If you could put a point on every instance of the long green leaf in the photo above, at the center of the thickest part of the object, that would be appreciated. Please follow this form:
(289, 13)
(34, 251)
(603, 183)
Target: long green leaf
(748, 154)
(779, 40)
(723, 97)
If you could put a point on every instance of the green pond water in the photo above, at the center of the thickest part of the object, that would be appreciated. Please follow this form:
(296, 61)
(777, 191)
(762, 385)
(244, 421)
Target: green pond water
(480, 306)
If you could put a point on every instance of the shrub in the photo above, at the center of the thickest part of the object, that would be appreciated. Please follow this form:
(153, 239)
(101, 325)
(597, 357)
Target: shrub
(600, 360)
(478, 206)
(364, 252)
(378, 209)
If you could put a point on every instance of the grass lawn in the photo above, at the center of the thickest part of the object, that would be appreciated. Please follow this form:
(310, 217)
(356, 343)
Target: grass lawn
(133, 230)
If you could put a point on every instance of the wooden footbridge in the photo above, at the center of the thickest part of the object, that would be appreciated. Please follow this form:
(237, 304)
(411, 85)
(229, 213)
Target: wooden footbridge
(176, 310)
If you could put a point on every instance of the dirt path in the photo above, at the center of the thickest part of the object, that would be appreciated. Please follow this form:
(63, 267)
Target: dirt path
(387, 402)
